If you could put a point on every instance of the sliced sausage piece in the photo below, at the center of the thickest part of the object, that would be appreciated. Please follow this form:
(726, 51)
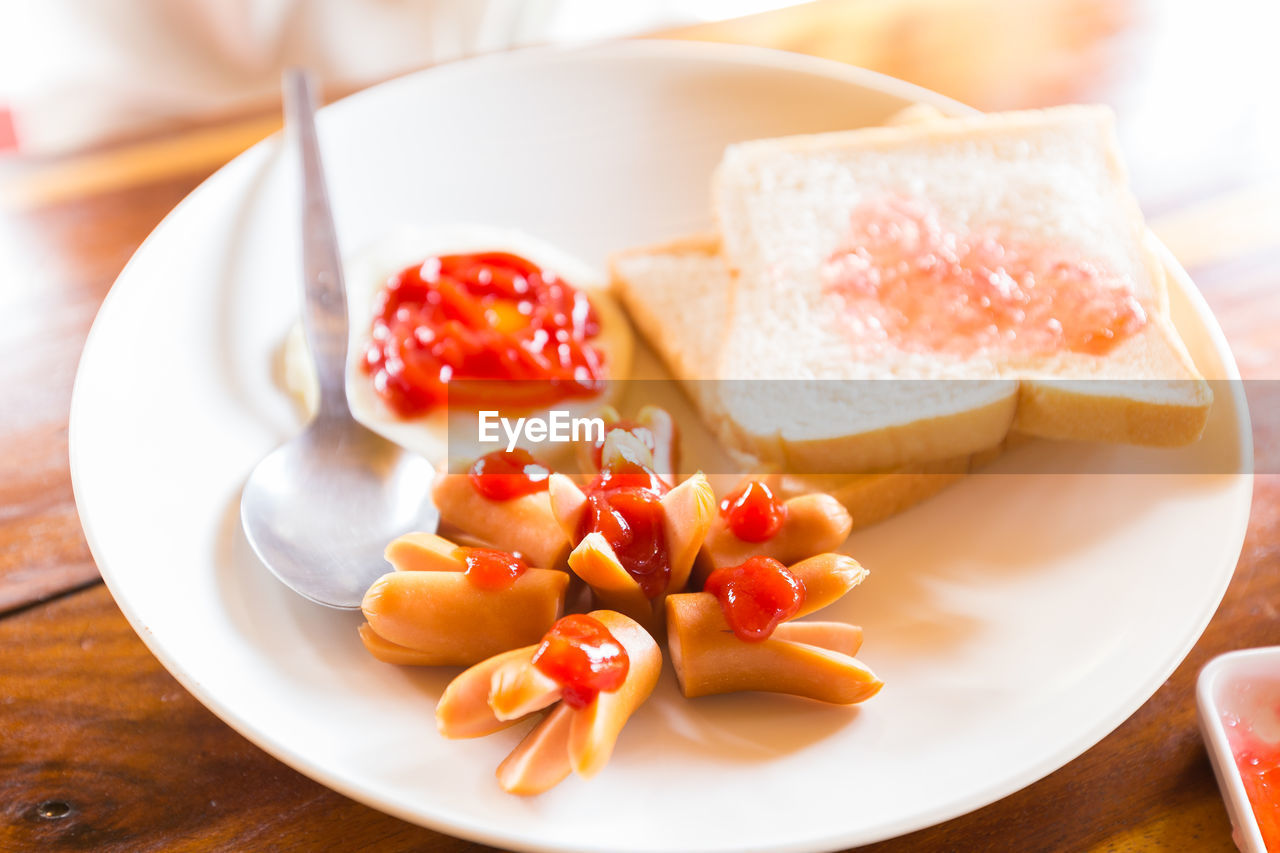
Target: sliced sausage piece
(834, 636)
(388, 652)
(568, 739)
(525, 524)
(709, 659)
(688, 511)
(453, 622)
(826, 578)
(518, 688)
(424, 552)
(594, 561)
(567, 504)
(463, 710)
(596, 727)
(814, 524)
(666, 440)
(541, 761)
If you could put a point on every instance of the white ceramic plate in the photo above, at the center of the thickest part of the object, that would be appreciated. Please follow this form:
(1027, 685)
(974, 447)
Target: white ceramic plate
(1015, 619)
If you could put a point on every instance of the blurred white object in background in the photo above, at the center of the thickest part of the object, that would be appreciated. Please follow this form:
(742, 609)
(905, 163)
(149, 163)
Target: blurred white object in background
(76, 72)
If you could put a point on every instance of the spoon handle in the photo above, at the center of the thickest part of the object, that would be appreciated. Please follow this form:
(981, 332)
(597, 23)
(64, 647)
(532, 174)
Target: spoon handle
(324, 314)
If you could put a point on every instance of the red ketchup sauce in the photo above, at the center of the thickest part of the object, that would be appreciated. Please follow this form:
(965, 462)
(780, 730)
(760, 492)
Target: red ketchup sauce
(624, 504)
(580, 655)
(756, 597)
(1258, 758)
(490, 569)
(490, 315)
(507, 474)
(909, 280)
(752, 513)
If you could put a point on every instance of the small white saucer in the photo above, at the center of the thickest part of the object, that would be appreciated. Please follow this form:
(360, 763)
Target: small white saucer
(1214, 695)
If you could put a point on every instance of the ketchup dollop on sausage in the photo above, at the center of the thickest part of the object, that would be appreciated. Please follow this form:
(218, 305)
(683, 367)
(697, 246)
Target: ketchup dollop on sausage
(490, 569)
(580, 655)
(507, 474)
(489, 315)
(752, 513)
(756, 596)
(624, 504)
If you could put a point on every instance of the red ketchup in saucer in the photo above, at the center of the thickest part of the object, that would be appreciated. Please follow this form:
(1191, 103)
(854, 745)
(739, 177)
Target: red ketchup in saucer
(487, 315)
(583, 657)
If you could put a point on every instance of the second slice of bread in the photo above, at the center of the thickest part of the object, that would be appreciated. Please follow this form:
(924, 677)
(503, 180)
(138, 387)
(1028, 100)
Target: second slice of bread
(677, 294)
(1048, 177)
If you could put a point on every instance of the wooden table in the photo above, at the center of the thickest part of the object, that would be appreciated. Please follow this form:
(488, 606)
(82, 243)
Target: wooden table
(103, 750)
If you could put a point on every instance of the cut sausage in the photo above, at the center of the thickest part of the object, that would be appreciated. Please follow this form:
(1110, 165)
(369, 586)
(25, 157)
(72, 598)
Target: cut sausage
(688, 511)
(568, 739)
(518, 689)
(826, 578)
(836, 636)
(709, 659)
(453, 622)
(596, 727)
(525, 524)
(814, 524)
(594, 561)
(463, 710)
(424, 552)
(541, 761)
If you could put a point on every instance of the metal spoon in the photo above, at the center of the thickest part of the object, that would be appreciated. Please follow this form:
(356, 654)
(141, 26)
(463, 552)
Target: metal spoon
(320, 509)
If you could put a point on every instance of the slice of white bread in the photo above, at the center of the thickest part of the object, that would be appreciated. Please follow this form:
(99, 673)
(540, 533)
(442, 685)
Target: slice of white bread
(677, 294)
(1050, 178)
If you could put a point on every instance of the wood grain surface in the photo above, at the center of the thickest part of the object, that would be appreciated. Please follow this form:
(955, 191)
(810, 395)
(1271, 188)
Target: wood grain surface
(100, 749)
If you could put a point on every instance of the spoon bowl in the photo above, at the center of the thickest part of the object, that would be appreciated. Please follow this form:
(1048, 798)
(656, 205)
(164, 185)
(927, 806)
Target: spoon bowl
(320, 510)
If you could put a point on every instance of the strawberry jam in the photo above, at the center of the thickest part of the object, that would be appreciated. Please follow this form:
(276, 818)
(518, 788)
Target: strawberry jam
(756, 596)
(580, 655)
(752, 513)
(624, 504)
(1252, 723)
(507, 474)
(490, 315)
(491, 569)
(909, 280)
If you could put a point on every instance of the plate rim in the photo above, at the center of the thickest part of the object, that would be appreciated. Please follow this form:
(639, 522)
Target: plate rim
(459, 826)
